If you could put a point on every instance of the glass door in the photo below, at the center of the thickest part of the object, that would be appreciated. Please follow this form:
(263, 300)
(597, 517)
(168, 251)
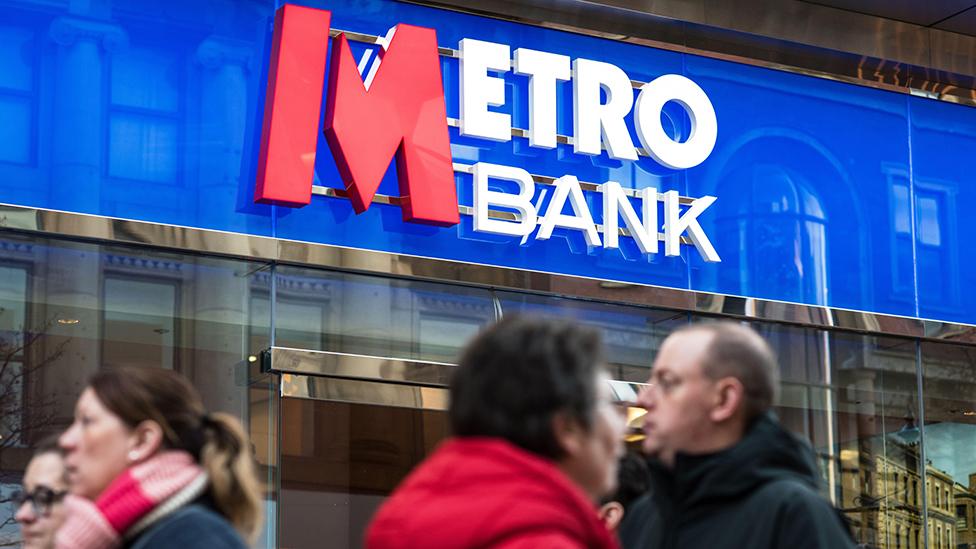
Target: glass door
(345, 445)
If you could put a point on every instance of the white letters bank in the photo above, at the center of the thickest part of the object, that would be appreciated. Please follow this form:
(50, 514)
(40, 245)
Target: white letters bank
(598, 125)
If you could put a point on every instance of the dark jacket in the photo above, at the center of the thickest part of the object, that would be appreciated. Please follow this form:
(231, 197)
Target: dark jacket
(195, 526)
(484, 493)
(760, 494)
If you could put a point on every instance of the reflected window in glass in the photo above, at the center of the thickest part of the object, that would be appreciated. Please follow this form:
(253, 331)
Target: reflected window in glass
(855, 398)
(377, 316)
(17, 73)
(140, 322)
(631, 335)
(15, 343)
(144, 115)
(949, 378)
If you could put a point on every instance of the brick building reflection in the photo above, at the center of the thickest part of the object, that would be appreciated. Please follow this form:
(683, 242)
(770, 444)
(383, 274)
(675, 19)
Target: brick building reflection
(882, 497)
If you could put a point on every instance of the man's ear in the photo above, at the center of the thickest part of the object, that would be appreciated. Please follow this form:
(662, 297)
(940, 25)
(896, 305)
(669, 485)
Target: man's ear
(569, 434)
(729, 399)
(145, 440)
(611, 514)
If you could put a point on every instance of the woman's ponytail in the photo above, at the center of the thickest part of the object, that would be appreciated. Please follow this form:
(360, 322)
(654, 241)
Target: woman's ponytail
(227, 459)
(217, 441)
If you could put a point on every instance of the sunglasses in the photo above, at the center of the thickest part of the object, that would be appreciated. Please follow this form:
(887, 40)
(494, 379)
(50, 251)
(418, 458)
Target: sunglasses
(41, 498)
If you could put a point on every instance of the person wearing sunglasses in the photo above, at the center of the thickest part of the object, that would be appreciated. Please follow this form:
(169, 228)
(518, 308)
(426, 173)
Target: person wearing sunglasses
(39, 509)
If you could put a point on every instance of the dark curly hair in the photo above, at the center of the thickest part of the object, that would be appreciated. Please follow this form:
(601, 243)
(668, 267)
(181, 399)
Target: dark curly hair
(516, 375)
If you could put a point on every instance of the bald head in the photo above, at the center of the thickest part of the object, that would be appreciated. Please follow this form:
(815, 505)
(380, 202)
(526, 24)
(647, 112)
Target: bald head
(735, 350)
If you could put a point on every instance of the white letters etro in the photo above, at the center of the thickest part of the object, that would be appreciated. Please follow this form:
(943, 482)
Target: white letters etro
(602, 99)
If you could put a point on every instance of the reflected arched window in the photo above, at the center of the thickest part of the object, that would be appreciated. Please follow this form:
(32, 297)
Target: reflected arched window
(776, 225)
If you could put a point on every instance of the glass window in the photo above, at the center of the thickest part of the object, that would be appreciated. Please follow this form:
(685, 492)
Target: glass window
(901, 208)
(15, 131)
(328, 311)
(339, 461)
(929, 226)
(855, 398)
(139, 322)
(13, 300)
(301, 324)
(143, 147)
(15, 343)
(145, 78)
(631, 335)
(68, 309)
(949, 381)
(439, 334)
(17, 59)
(144, 115)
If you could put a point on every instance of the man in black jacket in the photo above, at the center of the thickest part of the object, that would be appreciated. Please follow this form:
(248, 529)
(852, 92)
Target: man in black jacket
(724, 472)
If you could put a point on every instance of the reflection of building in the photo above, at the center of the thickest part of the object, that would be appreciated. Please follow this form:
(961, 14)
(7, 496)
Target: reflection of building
(896, 484)
(881, 496)
(965, 502)
(942, 520)
(882, 499)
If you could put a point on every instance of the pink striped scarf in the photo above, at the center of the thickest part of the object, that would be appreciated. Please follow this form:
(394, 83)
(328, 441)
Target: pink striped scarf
(137, 498)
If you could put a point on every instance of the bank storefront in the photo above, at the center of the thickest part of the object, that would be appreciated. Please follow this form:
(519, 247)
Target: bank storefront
(210, 187)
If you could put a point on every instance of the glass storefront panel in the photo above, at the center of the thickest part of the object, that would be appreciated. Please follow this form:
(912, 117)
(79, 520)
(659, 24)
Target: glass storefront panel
(329, 311)
(877, 454)
(340, 460)
(264, 411)
(135, 309)
(68, 309)
(631, 335)
(855, 398)
(949, 383)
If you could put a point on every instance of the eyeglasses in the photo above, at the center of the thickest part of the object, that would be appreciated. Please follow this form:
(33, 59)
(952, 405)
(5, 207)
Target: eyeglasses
(41, 498)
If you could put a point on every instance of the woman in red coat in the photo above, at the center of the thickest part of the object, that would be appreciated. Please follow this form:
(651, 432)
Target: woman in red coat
(536, 443)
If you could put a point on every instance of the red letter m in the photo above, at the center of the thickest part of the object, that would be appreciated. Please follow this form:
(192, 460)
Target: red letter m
(399, 112)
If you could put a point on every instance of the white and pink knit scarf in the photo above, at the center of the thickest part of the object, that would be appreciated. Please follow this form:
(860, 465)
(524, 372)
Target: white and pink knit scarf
(139, 497)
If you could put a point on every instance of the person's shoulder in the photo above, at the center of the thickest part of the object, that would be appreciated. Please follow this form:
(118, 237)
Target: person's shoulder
(789, 498)
(194, 526)
(789, 490)
(639, 523)
(804, 517)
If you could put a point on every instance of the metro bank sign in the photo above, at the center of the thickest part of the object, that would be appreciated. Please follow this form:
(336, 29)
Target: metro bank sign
(394, 107)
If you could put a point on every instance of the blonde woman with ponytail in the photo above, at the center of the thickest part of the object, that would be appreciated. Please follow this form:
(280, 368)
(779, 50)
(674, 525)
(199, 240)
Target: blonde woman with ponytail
(148, 468)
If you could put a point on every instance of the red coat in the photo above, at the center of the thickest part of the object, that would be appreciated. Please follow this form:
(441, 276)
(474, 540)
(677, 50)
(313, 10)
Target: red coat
(484, 493)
